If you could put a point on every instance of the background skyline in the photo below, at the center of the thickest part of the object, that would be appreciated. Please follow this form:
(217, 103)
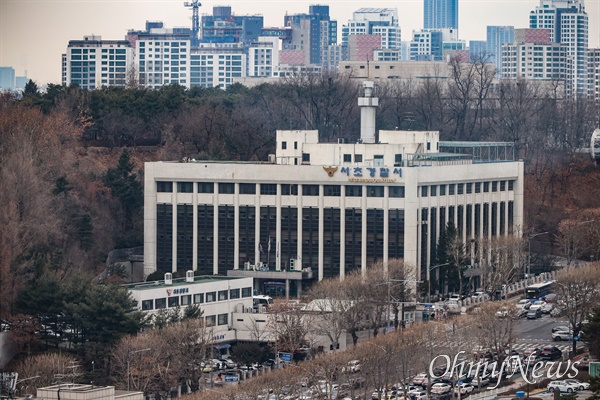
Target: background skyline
(34, 33)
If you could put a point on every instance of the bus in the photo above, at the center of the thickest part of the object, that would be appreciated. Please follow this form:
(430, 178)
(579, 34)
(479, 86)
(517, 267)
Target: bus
(538, 290)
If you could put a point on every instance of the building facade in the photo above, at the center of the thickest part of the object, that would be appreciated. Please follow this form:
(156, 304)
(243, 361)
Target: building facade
(7, 78)
(496, 37)
(537, 61)
(438, 14)
(331, 208)
(567, 21)
(93, 63)
(426, 45)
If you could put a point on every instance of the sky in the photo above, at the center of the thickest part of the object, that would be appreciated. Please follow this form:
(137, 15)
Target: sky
(34, 33)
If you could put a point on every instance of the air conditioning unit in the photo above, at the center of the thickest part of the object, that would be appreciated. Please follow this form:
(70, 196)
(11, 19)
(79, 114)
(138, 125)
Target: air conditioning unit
(247, 265)
(271, 158)
(342, 140)
(189, 276)
(168, 278)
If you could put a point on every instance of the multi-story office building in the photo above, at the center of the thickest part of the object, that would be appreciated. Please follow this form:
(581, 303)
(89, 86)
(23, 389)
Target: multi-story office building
(477, 50)
(263, 57)
(224, 27)
(387, 55)
(311, 40)
(7, 78)
(426, 45)
(539, 61)
(332, 208)
(496, 37)
(568, 24)
(438, 14)
(373, 21)
(92, 63)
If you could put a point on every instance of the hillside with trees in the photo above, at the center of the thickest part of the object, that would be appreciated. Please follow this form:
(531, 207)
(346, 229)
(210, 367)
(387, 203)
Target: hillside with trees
(71, 161)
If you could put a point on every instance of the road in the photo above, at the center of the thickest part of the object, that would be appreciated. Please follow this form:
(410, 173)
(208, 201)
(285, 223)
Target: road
(533, 333)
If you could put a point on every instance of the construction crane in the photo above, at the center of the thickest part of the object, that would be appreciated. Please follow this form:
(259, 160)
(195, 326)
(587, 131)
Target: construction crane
(194, 5)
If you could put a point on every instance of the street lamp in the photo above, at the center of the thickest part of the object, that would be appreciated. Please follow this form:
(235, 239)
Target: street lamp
(129, 353)
(529, 237)
(429, 279)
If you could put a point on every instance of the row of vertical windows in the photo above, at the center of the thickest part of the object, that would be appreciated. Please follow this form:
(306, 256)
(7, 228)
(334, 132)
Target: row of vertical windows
(197, 298)
(290, 189)
(466, 188)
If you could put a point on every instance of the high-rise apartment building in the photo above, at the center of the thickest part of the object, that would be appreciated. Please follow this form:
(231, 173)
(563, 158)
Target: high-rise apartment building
(535, 61)
(426, 45)
(263, 57)
(163, 58)
(7, 78)
(92, 63)
(311, 41)
(568, 24)
(477, 49)
(594, 74)
(224, 27)
(216, 67)
(373, 21)
(440, 14)
(496, 37)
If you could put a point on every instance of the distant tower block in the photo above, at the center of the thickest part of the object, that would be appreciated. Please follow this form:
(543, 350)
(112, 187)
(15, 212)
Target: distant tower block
(368, 110)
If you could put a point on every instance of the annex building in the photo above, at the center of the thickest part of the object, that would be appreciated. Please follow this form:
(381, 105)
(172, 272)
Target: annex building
(317, 210)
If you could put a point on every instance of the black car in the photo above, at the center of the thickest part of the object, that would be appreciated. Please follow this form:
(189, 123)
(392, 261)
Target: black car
(443, 380)
(550, 353)
(495, 377)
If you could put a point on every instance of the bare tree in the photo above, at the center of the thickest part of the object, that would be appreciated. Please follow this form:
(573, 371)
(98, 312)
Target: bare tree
(493, 326)
(44, 368)
(501, 260)
(290, 326)
(578, 289)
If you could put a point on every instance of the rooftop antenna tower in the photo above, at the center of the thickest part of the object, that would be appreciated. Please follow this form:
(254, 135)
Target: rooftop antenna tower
(194, 5)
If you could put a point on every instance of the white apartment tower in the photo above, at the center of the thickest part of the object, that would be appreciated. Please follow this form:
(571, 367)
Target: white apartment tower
(93, 63)
(568, 24)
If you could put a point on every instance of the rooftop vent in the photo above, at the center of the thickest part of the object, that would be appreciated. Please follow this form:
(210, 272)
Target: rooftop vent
(189, 276)
(168, 278)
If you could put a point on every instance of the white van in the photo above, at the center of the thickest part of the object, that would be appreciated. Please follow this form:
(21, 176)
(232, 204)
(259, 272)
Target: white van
(262, 300)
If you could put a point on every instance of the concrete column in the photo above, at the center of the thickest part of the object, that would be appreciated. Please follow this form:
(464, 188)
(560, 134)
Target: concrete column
(149, 220)
(195, 228)
(236, 227)
(343, 233)
(216, 231)
(321, 232)
(386, 226)
(278, 230)
(299, 231)
(363, 247)
(287, 289)
(174, 225)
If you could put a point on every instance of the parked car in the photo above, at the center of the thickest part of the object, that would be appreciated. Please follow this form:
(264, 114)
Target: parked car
(537, 305)
(550, 353)
(495, 377)
(502, 313)
(421, 380)
(561, 386)
(418, 394)
(465, 388)
(480, 381)
(547, 308)
(561, 335)
(534, 313)
(439, 388)
(524, 303)
(580, 385)
(560, 328)
(556, 312)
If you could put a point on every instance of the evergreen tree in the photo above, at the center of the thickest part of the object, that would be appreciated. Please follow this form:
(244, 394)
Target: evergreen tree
(125, 187)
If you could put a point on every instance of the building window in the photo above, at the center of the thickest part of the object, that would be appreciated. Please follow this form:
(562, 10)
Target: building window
(494, 186)
(378, 161)
(186, 300)
(486, 187)
(310, 190)
(185, 187)
(358, 158)
(397, 160)
(164, 187)
(234, 294)
(460, 188)
(289, 190)
(223, 295)
(295, 145)
(469, 188)
(347, 157)
(306, 157)
(375, 191)
(353, 191)
(211, 320)
(174, 301)
(222, 319)
(511, 185)
(247, 292)
(160, 303)
(433, 190)
(211, 297)
(226, 188)
(199, 298)
(283, 145)
(397, 191)
(442, 190)
(451, 189)
(332, 190)
(247, 188)
(268, 188)
(206, 187)
(424, 190)
(477, 187)
(502, 186)
(147, 305)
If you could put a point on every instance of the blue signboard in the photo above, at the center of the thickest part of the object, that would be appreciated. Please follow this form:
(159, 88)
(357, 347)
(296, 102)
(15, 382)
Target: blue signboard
(287, 357)
(231, 378)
